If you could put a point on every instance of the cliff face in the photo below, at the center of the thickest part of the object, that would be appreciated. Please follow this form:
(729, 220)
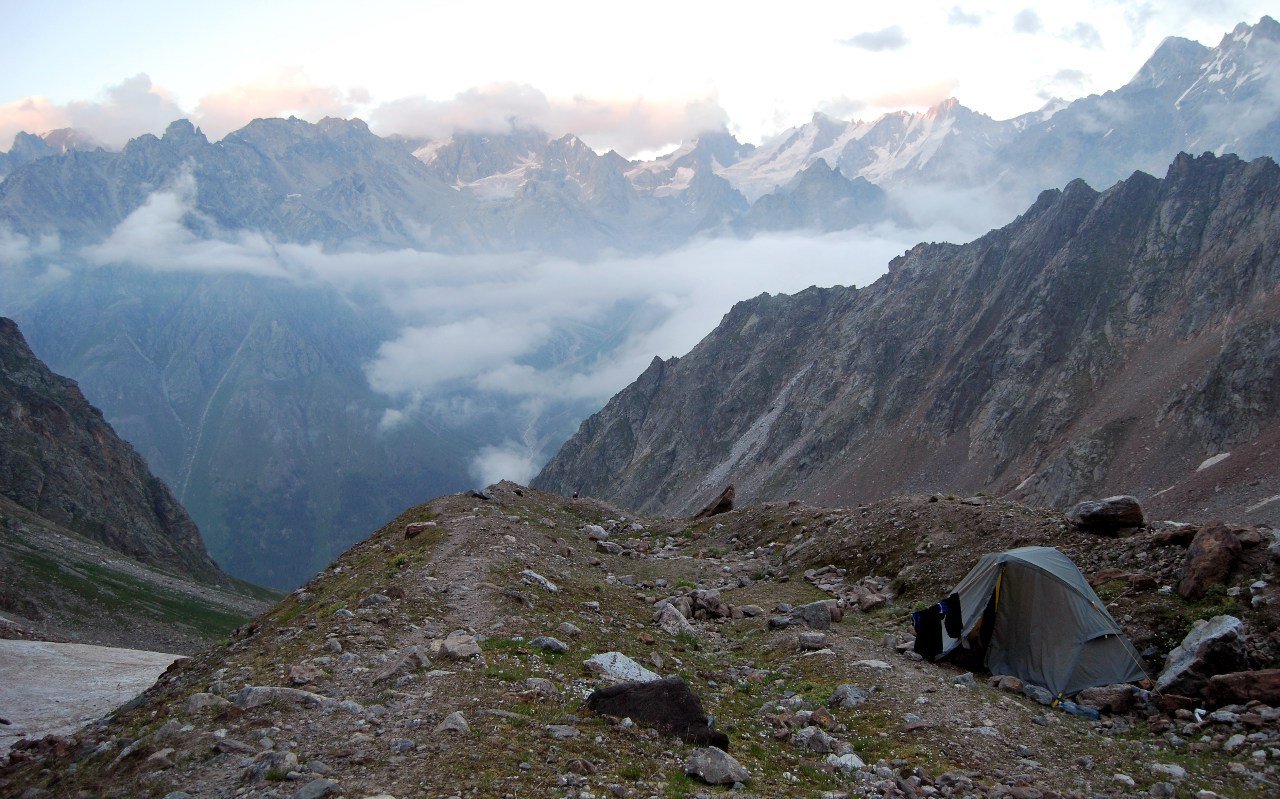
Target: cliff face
(60, 460)
(1102, 342)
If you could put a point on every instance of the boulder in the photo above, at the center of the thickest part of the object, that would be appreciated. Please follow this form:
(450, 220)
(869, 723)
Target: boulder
(618, 667)
(317, 789)
(454, 722)
(721, 504)
(414, 529)
(459, 645)
(303, 673)
(847, 696)
(1107, 516)
(549, 644)
(255, 695)
(707, 604)
(816, 740)
(817, 615)
(1209, 561)
(668, 705)
(715, 767)
(1212, 647)
(672, 622)
(1118, 698)
(271, 763)
(200, 702)
(1242, 687)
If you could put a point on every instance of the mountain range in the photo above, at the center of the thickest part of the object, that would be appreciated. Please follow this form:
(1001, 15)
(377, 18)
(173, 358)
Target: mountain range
(249, 392)
(1123, 341)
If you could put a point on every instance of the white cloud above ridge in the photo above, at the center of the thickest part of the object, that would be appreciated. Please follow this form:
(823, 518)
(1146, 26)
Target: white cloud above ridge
(890, 38)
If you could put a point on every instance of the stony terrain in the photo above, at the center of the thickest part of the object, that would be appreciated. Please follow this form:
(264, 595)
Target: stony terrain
(445, 656)
(1122, 341)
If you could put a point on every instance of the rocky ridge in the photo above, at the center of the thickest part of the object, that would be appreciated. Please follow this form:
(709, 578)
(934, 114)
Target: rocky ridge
(1102, 343)
(451, 654)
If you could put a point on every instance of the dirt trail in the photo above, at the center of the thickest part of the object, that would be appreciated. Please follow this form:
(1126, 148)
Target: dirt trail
(48, 688)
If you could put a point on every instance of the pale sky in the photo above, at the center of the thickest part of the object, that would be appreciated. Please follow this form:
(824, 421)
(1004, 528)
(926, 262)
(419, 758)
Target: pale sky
(638, 77)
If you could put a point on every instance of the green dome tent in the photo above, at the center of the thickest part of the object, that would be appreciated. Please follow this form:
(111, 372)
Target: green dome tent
(1039, 620)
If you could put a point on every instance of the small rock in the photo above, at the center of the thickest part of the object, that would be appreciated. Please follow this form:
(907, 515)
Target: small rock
(454, 722)
(373, 600)
(814, 739)
(714, 766)
(569, 630)
(550, 644)
(872, 664)
(200, 702)
(811, 640)
(540, 581)
(543, 687)
(317, 789)
(673, 622)
(563, 731)
(847, 696)
(847, 762)
(965, 680)
(459, 645)
(1171, 770)
(303, 673)
(1038, 693)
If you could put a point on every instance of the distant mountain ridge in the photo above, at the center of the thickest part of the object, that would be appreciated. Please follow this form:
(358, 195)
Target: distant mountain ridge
(337, 184)
(1109, 342)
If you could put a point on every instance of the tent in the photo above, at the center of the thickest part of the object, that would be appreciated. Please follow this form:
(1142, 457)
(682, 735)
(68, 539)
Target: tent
(1037, 618)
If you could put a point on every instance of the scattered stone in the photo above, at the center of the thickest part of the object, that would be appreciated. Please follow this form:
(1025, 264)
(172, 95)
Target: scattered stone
(1119, 698)
(256, 695)
(618, 667)
(673, 622)
(817, 615)
(751, 611)
(872, 664)
(271, 762)
(815, 739)
(1005, 682)
(550, 644)
(569, 630)
(481, 493)
(454, 722)
(1038, 693)
(847, 696)
(563, 731)
(373, 600)
(1107, 516)
(459, 645)
(714, 766)
(1209, 561)
(543, 687)
(303, 673)
(1172, 771)
(965, 680)
(668, 705)
(847, 763)
(595, 532)
(414, 529)
(317, 789)
(811, 640)
(609, 547)
(542, 582)
(1212, 647)
(200, 702)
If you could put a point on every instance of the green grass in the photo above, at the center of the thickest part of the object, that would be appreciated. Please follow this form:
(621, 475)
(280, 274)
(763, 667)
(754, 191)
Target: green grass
(107, 591)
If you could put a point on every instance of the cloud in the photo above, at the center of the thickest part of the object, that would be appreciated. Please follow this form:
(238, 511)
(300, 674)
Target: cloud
(529, 340)
(1027, 21)
(509, 461)
(890, 38)
(1085, 35)
(159, 236)
(125, 110)
(958, 16)
(628, 126)
(288, 93)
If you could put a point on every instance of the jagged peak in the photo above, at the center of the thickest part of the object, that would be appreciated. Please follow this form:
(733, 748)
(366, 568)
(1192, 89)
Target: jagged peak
(1174, 56)
(182, 130)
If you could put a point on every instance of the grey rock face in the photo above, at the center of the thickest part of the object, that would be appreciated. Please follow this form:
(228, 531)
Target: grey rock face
(951, 373)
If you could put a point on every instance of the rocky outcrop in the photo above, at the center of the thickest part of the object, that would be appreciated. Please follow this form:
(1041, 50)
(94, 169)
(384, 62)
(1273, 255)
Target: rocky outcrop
(60, 460)
(1102, 343)
(1212, 647)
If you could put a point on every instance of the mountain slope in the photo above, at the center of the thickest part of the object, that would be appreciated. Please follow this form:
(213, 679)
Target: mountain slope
(62, 461)
(1100, 343)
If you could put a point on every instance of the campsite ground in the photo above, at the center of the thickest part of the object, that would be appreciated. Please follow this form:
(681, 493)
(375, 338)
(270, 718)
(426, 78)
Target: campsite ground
(378, 718)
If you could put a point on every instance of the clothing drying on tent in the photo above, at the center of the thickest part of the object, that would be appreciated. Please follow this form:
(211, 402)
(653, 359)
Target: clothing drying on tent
(1029, 612)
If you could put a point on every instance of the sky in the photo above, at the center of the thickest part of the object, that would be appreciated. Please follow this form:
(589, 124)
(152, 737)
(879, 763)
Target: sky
(636, 77)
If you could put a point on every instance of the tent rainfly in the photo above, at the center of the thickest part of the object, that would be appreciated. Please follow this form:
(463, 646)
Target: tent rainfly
(1040, 621)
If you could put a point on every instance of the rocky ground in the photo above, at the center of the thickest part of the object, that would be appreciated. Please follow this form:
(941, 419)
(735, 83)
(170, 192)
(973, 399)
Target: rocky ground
(447, 656)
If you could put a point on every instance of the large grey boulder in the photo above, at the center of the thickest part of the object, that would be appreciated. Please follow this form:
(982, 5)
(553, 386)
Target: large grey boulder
(618, 667)
(1212, 647)
(715, 766)
(1107, 515)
